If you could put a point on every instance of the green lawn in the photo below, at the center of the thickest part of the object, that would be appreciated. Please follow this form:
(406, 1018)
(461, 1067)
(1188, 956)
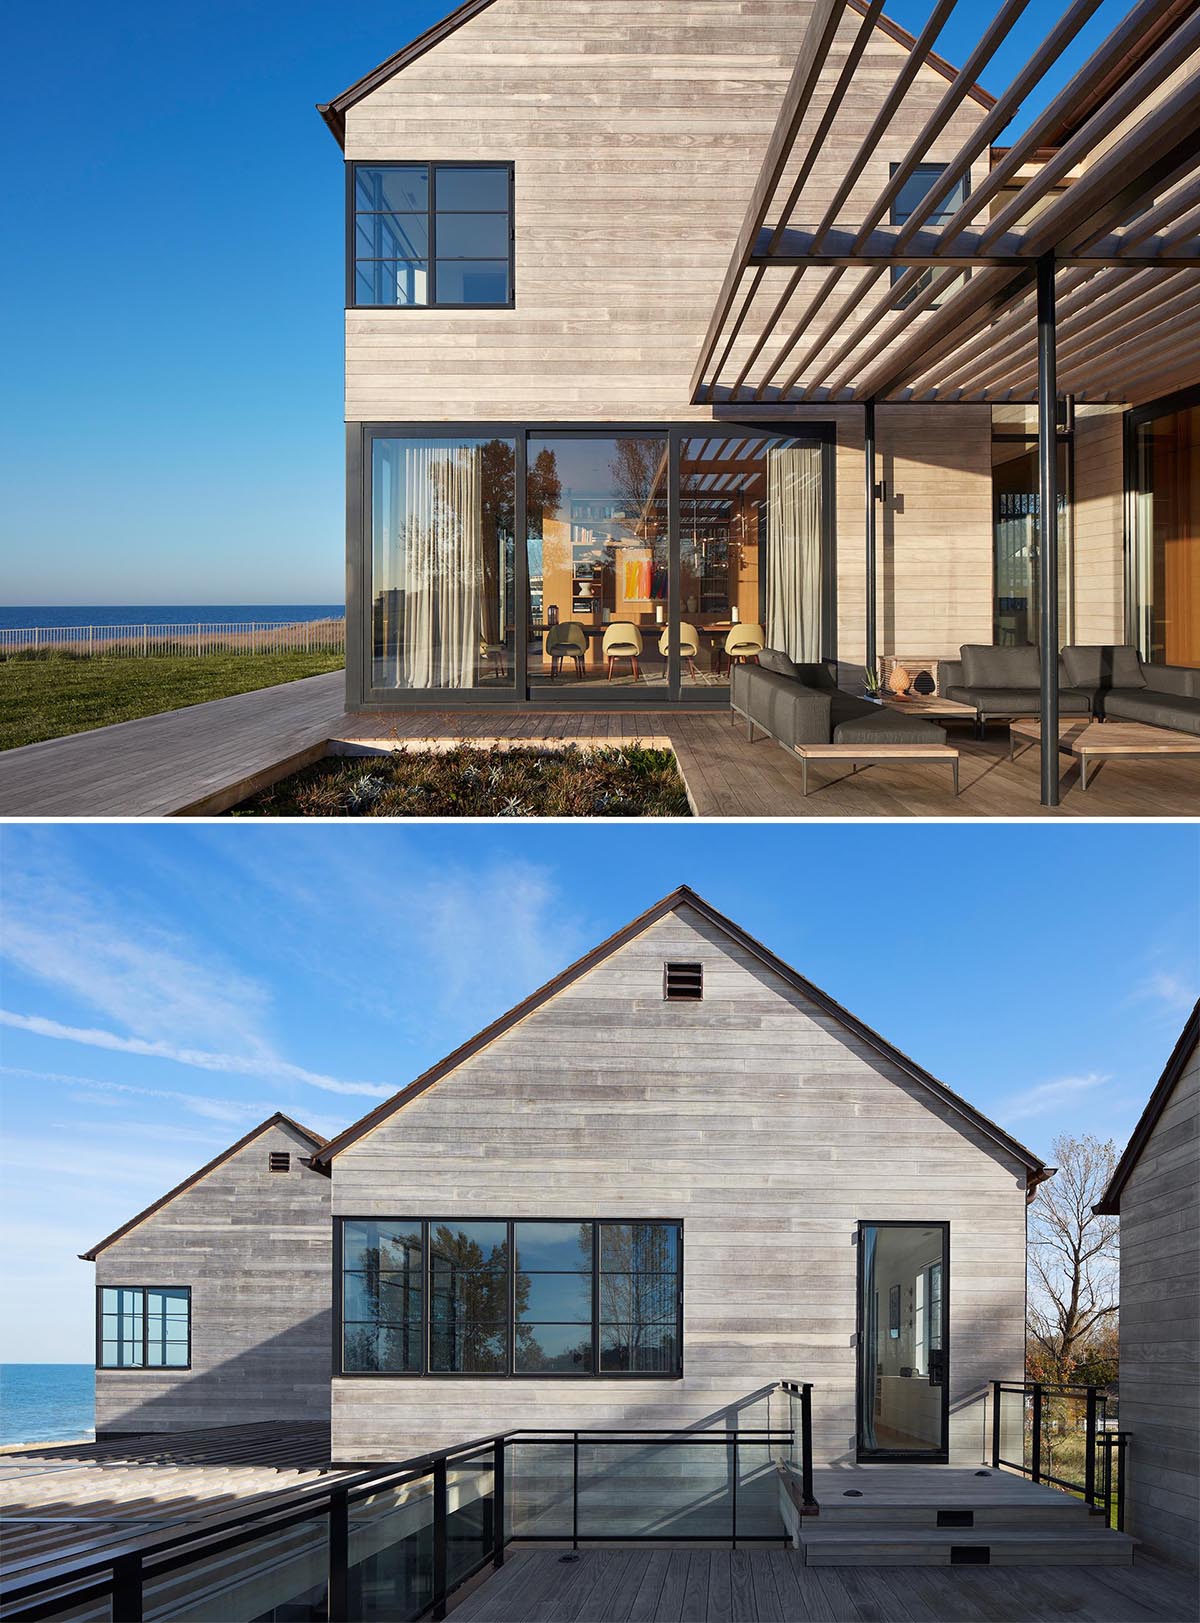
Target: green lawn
(53, 696)
(468, 781)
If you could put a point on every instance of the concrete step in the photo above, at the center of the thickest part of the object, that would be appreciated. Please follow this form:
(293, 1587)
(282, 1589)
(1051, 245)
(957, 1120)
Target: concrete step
(944, 1547)
(1057, 1510)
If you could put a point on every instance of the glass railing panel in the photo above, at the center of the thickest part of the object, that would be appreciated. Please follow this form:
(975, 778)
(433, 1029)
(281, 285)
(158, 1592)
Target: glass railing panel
(537, 1496)
(1064, 1437)
(470, 1502)
(758, 1512)
(663, 1490)
(390, 1567)
(280, 1573)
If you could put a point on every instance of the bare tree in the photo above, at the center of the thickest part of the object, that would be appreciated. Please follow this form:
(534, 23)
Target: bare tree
(1073, 1260)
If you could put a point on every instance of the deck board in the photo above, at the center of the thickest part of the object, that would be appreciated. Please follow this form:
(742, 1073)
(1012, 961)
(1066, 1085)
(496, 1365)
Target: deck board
(759, 1584)
(205, 758)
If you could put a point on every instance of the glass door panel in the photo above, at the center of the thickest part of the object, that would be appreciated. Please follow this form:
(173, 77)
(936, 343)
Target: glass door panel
(597, 535)
(903, 1339)
(1016, 501)
(750, 550)
(1167, 537)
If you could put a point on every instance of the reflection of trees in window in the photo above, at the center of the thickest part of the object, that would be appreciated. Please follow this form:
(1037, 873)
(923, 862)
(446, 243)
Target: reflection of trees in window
(468, 1298)
(639, 476)
(553, 1298)
(639, 1294)
(543, 491)
(382, 1291)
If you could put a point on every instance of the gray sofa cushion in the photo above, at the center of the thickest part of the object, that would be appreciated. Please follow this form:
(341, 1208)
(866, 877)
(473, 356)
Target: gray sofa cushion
(817, 676)
(883, 726)
(1175, 710)
(773, 659)
(1018, 701)
(987, 667)
(790, 712)
(1103, 666)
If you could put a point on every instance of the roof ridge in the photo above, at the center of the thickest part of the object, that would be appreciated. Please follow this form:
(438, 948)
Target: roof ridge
(202, 1172)
(682, 894)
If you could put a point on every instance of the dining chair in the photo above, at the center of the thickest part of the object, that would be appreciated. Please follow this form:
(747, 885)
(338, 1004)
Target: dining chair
(744, 642)
(622, 641)
(567, 640)
(689, 645)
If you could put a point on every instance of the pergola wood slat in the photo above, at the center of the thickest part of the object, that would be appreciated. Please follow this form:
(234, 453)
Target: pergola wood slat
(1120, 197)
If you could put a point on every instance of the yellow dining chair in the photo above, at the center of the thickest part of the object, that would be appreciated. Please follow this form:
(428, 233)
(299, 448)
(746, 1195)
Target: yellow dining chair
(622, 641)
(566, 641)
(744, 642)
(689, 645)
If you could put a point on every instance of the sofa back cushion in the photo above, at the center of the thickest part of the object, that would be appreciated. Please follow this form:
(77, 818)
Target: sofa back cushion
(1103, 666)
(988, 667)
(817, 676)
(774, 659)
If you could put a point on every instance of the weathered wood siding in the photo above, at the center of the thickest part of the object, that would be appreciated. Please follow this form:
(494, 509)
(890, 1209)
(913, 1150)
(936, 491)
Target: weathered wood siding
(255, 1247)
(754, 1118)
(1160, 1329)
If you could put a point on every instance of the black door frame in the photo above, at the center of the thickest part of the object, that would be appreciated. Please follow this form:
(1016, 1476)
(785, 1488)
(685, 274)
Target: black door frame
(897, 1456)
(361, 694)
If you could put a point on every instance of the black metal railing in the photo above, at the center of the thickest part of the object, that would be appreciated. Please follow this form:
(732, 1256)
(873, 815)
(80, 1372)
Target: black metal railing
(396, 1541)
(1066, 1438)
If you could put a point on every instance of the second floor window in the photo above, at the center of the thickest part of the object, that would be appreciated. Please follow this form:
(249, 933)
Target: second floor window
(913, 192)
(431, 234)
(144, 1327)
(500, 1297)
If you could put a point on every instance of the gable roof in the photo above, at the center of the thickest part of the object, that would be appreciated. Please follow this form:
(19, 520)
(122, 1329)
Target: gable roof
(683, 895)
(334, 112)
(276, 1120)
(1109, 1204)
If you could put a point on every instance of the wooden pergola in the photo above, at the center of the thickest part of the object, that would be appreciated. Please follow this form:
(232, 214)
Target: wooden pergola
(1071, 266)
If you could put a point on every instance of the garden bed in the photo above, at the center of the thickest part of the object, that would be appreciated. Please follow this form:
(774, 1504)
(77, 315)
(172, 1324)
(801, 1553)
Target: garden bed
(466, 781)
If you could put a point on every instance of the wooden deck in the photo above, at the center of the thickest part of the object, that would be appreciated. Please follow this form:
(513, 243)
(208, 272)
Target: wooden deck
(727, 776)
(200, 760)
(648, 1585)
(203, 760)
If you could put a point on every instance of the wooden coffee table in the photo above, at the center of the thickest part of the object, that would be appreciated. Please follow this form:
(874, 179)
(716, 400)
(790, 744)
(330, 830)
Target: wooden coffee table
(1097, 740)
(934, 709)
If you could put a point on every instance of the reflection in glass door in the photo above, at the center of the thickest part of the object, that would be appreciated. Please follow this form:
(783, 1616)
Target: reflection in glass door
(903, 1315)
(750, 550)
(598, 542)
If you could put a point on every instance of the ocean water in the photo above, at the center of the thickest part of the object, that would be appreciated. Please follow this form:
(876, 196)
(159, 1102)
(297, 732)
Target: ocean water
(46, 1403)
(163, 614)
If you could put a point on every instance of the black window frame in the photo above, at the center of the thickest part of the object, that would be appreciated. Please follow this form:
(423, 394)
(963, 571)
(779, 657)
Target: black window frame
(144, 1368)
(511, 1373)
(901, 1456)
(432, 166)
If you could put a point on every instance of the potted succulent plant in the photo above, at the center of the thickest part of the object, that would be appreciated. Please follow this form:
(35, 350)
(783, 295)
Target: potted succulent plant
(872, 684)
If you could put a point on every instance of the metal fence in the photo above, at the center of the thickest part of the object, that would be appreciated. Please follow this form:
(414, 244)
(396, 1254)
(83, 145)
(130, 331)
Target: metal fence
(1064, 1436)
(144, 641)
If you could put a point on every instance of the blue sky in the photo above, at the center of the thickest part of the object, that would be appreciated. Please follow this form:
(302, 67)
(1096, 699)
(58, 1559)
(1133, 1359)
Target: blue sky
(166, 987)
(170, 430)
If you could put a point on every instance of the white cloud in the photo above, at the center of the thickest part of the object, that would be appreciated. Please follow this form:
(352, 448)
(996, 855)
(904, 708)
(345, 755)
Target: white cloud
(1044, 1097)
(1174, 993)
(197, 1058)
(94, 1091)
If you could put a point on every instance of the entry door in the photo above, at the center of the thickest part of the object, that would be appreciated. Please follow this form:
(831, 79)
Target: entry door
(903, 1341)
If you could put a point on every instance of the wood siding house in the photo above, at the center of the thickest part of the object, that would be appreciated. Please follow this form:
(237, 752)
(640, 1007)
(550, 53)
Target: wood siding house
(542, 199)
(212, 1305)
(1155, 1189)
(831, 1214)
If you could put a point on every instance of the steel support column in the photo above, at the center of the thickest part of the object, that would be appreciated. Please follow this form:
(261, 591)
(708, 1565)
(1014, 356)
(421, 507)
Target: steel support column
(1048, 524)
(869, 464)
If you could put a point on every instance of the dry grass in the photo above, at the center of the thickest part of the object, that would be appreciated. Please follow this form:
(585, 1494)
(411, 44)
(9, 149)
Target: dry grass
(624, 781)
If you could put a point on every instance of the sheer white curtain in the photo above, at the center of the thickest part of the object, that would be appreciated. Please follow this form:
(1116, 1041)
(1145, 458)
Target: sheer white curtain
(794, 551)
(441, 572)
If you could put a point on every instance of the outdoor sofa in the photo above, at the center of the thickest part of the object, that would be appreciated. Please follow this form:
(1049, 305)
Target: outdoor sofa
(1109, 682)
(802, 704)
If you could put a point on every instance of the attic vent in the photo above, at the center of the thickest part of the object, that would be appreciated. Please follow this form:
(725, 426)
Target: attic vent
(683, 982)
(279, 1161)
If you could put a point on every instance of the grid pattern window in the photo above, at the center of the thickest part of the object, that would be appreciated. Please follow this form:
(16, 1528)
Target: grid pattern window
(913, 192)
(511, 1297)
(144, 1327)
(431, 234)
(382, 1298)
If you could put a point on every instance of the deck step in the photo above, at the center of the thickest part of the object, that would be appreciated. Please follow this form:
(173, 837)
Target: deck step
(944, 1547)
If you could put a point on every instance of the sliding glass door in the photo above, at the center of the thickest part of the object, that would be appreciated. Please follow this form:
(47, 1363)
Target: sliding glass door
(1165, 540)
(572, 565)
(903, 1340)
